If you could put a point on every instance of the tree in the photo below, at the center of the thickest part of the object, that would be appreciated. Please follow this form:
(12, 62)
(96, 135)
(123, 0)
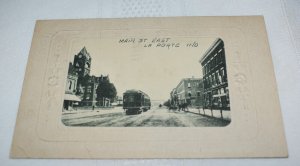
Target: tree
(106, 89)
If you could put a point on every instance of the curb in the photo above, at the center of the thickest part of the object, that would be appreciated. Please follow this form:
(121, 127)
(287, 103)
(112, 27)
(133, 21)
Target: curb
(209, 116)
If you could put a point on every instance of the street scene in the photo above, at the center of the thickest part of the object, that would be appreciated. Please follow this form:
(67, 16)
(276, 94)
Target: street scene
(124, 95)
(156, 117)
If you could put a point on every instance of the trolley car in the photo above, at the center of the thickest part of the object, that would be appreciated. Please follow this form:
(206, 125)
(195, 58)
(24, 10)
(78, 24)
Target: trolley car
(135, 101)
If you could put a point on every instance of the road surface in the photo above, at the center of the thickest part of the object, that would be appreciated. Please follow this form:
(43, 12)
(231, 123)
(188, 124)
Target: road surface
(155, 117)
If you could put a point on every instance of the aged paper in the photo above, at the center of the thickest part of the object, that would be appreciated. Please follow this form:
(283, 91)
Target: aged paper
(182, 87)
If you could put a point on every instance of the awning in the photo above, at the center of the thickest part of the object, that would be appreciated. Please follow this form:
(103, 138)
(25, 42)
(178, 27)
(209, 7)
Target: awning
(71, 97)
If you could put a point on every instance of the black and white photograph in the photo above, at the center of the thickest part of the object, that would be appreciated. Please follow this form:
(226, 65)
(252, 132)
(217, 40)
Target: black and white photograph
(147, 82)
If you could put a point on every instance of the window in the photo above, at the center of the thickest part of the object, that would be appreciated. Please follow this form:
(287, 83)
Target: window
(89, 89)
(215, 92)
(189, 85)
(217, 78)
(87, 65)
(215, 61)
(222, 90)
(70, 85)
(222, 56)
(189, 93)
(220, 76)
(213, 79)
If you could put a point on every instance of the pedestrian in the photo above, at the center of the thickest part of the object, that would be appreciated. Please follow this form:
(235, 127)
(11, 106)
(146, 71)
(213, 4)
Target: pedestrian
(179, 107)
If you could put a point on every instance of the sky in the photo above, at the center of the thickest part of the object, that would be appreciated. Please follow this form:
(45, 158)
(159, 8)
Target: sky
(155, 70)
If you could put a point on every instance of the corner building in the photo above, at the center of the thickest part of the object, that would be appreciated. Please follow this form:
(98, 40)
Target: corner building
(216, 92)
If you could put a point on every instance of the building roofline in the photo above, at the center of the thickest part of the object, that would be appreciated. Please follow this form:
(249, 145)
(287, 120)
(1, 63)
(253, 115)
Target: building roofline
(215, 44)
(185, 79)
(84, 52)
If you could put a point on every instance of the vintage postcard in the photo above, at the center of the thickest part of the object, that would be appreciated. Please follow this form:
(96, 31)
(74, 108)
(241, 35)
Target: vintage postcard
(181, 87)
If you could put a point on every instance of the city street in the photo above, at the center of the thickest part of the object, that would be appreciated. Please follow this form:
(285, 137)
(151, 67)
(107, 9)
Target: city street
(155, 117)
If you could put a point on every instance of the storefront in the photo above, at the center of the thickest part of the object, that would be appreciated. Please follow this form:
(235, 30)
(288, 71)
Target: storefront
(70, 102)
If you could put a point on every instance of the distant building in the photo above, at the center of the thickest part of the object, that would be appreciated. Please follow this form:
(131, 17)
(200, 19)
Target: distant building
(216, 94)
(71, 85)
(189, 90)
(119, 100)
(199, 94)
(89, 89)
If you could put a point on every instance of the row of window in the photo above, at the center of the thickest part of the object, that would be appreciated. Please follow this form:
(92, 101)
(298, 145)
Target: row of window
(215, 79)
(219, 101)
(214, 61)
(223, 90)
(87, 64)
(87, 57)
(71, 85)
(193, 84)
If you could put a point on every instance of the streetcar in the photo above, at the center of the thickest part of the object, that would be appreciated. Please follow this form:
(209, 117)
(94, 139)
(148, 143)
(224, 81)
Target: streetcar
(135, 102)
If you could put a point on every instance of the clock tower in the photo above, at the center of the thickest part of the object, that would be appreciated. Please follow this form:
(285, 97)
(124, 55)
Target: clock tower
(82, 66)
(82, 63)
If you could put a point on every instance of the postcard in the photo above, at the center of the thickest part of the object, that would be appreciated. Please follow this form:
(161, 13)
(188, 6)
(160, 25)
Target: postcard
(177, 87)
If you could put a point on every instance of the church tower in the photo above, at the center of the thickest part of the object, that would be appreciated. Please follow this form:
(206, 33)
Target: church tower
(82, 66)
(82, 63)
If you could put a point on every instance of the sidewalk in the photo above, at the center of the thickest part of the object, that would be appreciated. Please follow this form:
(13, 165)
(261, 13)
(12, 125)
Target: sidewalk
(213, 113)
(97, 110)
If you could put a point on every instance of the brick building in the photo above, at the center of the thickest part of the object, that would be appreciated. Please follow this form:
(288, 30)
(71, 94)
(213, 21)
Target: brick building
(89, 89)
(213, 62)
(81, 87)
(189, 90)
